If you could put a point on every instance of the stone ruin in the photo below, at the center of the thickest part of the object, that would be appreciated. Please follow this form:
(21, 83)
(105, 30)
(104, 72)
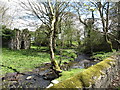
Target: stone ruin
(20, 40)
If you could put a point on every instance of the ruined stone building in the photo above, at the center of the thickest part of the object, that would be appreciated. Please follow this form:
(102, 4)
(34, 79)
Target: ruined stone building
(20, 40)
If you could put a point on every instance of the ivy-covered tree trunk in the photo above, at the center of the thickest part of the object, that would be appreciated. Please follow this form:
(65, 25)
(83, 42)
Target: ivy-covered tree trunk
(108, 43)
(89, 28)
(54, 44)
(88, 38)
(54, 38)
(55, 31)
(54, 63)
(52, 55)
(106, 28)
(105, 24)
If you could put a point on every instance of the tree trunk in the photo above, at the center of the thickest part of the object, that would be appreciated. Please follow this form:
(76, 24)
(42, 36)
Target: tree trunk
(54, 42)
(118, 28)
(78, 38)
(108, 43)
(70, 42)
(89, 43)
(54, 63)
(55, 32)
(63, 42)
(107, 26)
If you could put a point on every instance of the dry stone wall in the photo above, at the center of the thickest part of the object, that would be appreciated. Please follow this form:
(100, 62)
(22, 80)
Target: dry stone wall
(21, 40)
(97, 76)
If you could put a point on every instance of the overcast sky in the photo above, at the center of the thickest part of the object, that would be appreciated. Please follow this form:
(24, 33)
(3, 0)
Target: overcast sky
(21, 20)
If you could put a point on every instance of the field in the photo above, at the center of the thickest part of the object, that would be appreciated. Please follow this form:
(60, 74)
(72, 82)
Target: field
(22, 60)
(27, 60)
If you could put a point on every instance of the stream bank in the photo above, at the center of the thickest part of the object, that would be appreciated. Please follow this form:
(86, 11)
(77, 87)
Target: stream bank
(42, 76)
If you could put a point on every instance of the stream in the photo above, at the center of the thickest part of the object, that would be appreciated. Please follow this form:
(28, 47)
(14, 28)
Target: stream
(42, 76)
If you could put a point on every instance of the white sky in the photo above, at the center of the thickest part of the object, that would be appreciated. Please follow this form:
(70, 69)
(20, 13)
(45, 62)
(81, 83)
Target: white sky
(19, 16)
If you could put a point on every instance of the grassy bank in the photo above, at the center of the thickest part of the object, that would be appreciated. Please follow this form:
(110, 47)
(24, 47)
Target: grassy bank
(26, 60)
(102, 55)
(22, 60)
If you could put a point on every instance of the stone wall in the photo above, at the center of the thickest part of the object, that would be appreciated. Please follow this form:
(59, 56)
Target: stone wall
(97, 76)
(21, 40)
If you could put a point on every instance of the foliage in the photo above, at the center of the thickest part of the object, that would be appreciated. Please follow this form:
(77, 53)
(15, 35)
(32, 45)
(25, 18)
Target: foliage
(7, 34)
(66, 55)
(69, 53)
(41, 38)
(103, 55)
(67, 36)
(95, 43)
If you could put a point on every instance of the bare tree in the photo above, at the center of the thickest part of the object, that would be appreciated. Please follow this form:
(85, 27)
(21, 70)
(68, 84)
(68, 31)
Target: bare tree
(5, 17)
(82, 9)
(50, 14)
(104, 9)
(3, 10)
(114, 26)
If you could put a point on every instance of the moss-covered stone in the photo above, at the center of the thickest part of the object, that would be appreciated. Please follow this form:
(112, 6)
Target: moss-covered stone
(88, 76)
(95, 71)
(73, 82)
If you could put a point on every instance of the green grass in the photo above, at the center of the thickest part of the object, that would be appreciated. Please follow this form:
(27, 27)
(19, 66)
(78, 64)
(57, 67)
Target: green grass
(39, 48)
(26, 60)
(22, 60)
(103, 55)
(68, 74)
(66, 55)
(75, 43)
